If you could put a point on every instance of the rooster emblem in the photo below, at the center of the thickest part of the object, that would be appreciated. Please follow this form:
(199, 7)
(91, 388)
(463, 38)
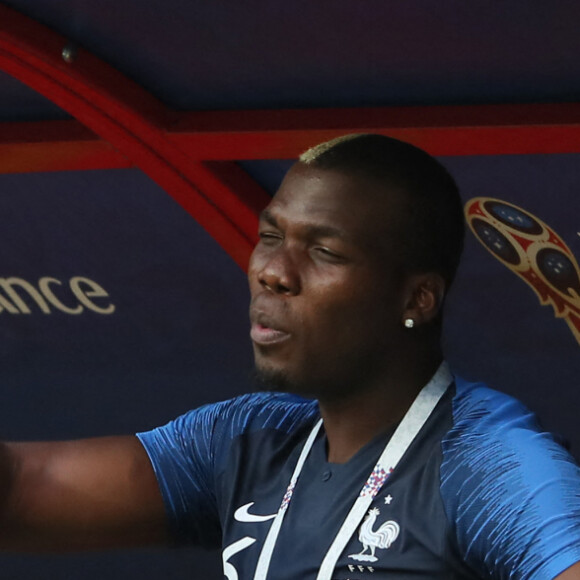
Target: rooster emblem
(373, 539)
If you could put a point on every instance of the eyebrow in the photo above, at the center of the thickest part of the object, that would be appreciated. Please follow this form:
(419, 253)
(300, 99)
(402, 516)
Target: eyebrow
(313, 231)
(266, 216)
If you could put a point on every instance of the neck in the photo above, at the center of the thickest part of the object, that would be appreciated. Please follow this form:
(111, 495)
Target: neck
(355, 419)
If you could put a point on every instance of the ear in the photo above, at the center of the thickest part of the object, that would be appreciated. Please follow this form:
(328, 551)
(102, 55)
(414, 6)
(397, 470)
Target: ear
(425, 293)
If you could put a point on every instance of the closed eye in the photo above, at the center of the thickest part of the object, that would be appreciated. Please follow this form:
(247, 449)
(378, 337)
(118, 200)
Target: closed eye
(269, 238)
(328, 255)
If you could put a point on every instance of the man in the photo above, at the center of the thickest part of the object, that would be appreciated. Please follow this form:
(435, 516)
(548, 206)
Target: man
(397, 470)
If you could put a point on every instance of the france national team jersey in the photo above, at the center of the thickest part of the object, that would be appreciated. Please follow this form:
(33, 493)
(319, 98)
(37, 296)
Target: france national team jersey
(481, 492)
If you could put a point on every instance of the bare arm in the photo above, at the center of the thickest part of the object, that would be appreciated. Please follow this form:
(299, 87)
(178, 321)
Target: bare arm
(77, 495)
(572, 573)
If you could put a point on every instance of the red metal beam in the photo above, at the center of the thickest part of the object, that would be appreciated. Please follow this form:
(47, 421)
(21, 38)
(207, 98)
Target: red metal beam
(121, 125)
(237, 135)
(440, 130)
(27, 147)
(128, 118)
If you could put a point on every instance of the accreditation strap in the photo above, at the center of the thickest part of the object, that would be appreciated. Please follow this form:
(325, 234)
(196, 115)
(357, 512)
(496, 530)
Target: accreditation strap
(270, 542)
(408, 428)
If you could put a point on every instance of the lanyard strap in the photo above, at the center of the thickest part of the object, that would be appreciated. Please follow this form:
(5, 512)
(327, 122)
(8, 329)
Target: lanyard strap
(402, 438)
(270, 542)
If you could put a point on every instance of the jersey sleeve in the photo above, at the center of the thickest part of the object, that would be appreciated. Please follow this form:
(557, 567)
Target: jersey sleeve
(511, 492)
(182, 454)
(189, 453)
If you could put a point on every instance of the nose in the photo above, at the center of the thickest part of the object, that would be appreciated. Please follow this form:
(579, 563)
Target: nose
(279, 273)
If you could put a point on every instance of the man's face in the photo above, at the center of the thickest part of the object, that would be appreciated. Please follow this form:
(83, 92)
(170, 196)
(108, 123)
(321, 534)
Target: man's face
(327, 294)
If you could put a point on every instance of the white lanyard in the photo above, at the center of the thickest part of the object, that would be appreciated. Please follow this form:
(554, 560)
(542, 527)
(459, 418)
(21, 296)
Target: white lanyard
(396, 447)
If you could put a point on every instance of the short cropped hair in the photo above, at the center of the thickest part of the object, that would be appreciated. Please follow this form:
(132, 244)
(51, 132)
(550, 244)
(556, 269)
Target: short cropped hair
(433, 228)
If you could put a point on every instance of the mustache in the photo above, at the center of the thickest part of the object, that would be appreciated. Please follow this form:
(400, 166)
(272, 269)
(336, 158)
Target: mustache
(268, 314)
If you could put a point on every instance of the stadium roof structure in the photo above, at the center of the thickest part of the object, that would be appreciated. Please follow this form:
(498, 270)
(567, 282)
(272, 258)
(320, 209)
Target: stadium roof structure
(184, 90)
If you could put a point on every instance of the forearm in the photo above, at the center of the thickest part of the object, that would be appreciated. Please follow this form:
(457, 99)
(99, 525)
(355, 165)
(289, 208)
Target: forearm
(7, 477)
(13, 534)
(572, 573)
(78, 495)
(29, 511)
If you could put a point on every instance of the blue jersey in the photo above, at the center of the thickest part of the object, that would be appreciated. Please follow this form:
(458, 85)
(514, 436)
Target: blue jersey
(481, 492)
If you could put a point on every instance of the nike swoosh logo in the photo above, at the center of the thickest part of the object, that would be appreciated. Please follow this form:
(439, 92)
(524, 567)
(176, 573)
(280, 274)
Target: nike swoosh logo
(243, 515)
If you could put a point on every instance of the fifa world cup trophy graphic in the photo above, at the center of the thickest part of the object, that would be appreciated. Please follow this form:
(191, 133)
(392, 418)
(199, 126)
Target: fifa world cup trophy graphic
(532, 250)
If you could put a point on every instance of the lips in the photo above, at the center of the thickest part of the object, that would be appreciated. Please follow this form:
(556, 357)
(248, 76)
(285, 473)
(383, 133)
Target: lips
(265, 330)
(264, 335)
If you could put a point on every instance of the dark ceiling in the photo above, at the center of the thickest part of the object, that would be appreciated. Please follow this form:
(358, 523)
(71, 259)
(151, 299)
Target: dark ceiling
(195, 55)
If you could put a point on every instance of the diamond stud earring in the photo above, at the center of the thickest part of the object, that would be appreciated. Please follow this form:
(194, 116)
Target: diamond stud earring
(409, 323)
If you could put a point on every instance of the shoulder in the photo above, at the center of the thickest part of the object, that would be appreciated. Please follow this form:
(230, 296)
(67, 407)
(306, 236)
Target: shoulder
(270, 410)
(234, 417)
(494, 437)
(503, 479)
(481, 413)
(491, 429)
(188, 452)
